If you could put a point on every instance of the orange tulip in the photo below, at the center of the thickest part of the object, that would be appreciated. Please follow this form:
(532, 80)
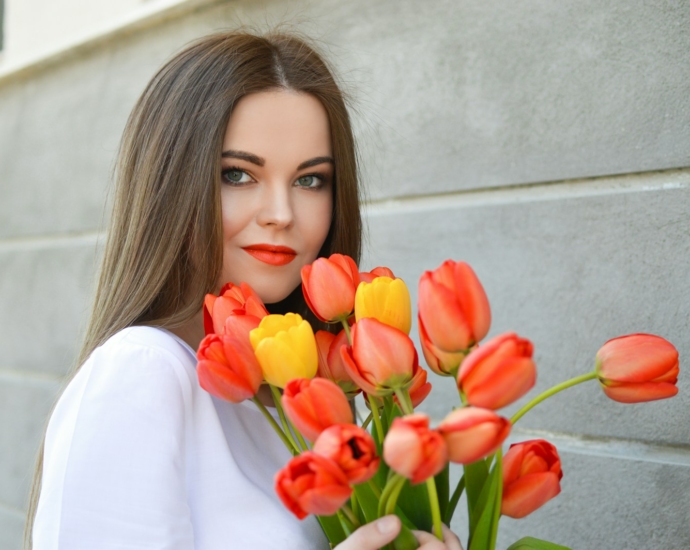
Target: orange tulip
(498, 372)
(329, 286)
(531, 477)
(232, 299)
(312, 484)
(472, 433)
(413, 450)
(454, 311)
(313, 405)
(331, 362)
(419, 388)
(381, 358)
(352, 448)
(369, 276)
(441, 362)
(227, 368)
(637, 368)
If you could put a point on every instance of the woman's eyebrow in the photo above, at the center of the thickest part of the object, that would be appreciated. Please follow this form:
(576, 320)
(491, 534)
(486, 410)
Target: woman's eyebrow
(249, 157)
(315, 161)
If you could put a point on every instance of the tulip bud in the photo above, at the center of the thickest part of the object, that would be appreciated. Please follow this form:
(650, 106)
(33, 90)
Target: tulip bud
(637, 368)
(498, 372)
(413, 450)
(381, 358)
(472, 433)
(285, 348)
(227, 368)
(232, 299)
(329, 286)
(369, 276)
(454, 311)
(331, 364)
(352, 448)
(312, 484)
(531, 477)
(386, 300)
(314, 405)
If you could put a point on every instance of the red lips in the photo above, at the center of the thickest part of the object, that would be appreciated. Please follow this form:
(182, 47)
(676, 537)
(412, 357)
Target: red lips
(271, 254)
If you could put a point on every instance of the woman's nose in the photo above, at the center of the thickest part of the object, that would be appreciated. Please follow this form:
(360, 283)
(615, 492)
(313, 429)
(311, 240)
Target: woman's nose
(276, 207)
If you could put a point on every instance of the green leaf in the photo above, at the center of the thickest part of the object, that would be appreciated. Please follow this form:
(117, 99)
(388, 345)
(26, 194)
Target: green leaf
(368, 501)
(530, 543)
(405, 540)
(475, 480)
(442, 480)
(414, 502)
(480, 533)
(332, 529)
(459, 489)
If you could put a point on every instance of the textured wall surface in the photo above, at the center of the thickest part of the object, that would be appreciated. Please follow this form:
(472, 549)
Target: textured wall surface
(546, 143)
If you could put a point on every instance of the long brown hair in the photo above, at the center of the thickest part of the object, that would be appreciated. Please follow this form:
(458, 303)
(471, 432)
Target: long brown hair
(164, 247)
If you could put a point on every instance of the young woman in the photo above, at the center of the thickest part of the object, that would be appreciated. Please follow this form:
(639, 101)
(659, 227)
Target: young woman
(237, 164)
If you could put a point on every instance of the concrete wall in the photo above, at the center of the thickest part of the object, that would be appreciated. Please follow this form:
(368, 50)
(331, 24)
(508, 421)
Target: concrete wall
(546, 143)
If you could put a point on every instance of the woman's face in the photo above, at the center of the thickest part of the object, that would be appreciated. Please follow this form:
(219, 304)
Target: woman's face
(276, 190)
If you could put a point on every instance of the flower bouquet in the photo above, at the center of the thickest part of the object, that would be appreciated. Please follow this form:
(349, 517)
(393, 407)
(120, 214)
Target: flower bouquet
(395, 462)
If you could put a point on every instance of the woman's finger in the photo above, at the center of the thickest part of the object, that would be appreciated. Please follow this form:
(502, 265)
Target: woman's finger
(430, 542)
(372, 536)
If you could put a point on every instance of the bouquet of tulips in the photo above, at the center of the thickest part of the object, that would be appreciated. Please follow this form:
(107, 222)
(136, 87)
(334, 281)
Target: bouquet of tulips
(395, 462)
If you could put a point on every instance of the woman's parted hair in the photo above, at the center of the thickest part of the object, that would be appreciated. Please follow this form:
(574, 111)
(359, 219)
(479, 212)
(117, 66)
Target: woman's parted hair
(164, 246)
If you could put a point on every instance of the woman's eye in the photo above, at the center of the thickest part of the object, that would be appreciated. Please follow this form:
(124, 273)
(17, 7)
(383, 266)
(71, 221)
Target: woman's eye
(310, 182)
(235, 176)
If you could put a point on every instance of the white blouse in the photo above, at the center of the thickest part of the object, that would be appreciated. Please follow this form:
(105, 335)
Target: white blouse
(138, 456)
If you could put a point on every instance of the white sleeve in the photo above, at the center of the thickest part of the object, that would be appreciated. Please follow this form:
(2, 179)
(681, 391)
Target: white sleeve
(115, 465)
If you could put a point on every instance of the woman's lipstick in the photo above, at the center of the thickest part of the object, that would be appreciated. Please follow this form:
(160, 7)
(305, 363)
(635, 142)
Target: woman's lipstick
(271, 254)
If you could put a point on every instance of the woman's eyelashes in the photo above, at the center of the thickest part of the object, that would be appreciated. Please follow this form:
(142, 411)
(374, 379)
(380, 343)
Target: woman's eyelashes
(237, 177)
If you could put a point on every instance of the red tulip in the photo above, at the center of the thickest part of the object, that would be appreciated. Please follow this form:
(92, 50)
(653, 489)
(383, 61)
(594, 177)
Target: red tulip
(232, 299)
(228, 368)
(472, 433)
(637, 368)
(329, 286)
(369, 276)
(381, 358)
(454, 311)
(498, 372)
(352, 448)
(313, 405)
(413, 450)
(419, 388)
(312, 484)
(531, 477)
(331, 364)
(441, 362)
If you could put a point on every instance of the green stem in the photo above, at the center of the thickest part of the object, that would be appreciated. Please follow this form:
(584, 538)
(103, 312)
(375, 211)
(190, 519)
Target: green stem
(393, 480)
(374, 489)
(552, 391)
(346, 326)
(453, 502)
(287, 441)
(435, 509)
(349, 514)
(404, 399)
(499, 499)
(345, 523)
(377, 419)
(393, 496)
(366, 423)
(281, 414)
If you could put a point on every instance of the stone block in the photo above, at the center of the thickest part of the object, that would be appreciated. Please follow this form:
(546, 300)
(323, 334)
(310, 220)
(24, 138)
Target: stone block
(568, 272)
(25, 403)
(11, 529)
(46, 292)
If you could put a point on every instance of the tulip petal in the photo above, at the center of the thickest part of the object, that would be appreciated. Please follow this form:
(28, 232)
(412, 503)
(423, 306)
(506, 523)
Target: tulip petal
(444, 321)
(636, 358)
(527, 494)
(639, 393)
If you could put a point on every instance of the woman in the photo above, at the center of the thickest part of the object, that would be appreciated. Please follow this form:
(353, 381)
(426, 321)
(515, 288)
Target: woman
(237, 164)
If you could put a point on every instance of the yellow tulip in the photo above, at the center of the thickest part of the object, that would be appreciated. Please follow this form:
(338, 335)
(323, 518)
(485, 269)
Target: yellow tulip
(285, 348)
(386, 300)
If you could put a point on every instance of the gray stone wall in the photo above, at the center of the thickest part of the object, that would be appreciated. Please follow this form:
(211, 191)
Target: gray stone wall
(546, 143)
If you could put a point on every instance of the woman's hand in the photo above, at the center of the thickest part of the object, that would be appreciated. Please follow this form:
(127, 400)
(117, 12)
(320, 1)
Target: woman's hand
(378, 533)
